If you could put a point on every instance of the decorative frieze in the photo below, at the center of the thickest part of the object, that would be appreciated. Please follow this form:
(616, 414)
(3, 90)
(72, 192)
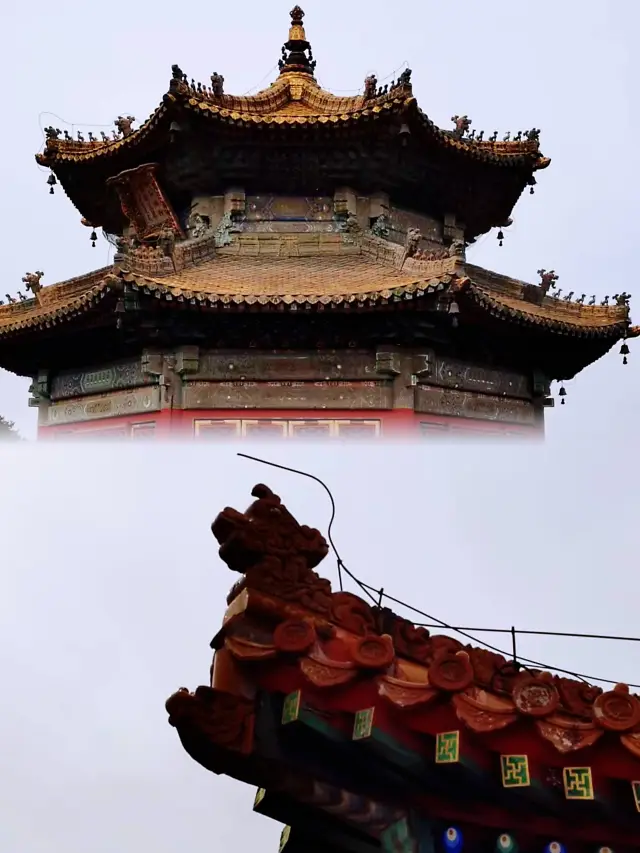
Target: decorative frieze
(377, 394)
(287, 366)
(114, 404)
(451, 373)
(466, 404)
(129, 374)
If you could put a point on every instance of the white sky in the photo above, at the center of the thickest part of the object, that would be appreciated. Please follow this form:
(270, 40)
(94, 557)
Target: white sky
(111, 589)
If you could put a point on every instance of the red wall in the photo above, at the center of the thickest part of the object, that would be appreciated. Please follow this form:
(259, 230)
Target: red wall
(177, 424)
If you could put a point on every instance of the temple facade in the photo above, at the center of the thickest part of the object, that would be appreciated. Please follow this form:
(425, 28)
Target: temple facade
(293, 264)
(365, 733)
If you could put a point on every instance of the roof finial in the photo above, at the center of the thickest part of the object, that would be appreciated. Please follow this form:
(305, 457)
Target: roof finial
(296, 53)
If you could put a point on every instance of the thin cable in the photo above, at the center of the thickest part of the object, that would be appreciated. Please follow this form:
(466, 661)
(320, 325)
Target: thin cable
(439, 623)
(253, 89)
(405, 64)
(341, 566)
(575, 635)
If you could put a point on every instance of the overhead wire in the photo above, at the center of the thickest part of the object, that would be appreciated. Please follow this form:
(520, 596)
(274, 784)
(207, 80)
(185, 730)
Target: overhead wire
(435, 622)
(341, 565)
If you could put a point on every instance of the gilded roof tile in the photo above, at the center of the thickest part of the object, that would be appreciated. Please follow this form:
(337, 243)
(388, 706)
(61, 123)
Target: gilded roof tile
(294, 100)
(317, 269)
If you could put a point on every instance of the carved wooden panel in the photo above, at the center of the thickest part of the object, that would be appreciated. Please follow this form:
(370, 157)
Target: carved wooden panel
(143, 201)
(111, 405)
(451, 373)
(288, 395)
(284, 366)
(115, 377)
(466, 404)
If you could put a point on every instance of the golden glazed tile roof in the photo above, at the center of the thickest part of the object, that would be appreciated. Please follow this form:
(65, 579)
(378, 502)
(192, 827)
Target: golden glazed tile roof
(294, 100)
(314, 269)
(267, 268)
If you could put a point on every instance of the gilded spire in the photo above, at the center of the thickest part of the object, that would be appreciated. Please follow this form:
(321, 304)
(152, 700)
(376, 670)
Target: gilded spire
(296, 53)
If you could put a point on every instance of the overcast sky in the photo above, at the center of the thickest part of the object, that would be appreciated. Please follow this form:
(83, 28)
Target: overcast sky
(567, 69)
(111, 588)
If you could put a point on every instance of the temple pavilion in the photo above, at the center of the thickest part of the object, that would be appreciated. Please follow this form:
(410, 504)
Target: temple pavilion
(362, 732)
(293, 263)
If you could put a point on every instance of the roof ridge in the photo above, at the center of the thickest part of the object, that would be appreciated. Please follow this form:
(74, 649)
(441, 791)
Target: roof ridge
(516, 288)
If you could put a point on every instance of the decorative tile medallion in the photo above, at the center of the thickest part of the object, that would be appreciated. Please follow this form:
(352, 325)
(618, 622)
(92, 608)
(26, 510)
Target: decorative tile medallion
(448, 748)
(363, 724)
(635, 787)
(578, 783)
(291, 708)
(515, 771)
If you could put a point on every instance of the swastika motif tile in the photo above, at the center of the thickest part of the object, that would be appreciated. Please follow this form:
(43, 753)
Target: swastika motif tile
(515, 771)
(578, 783)
(291, 708)
(363, 724)
(448, 748)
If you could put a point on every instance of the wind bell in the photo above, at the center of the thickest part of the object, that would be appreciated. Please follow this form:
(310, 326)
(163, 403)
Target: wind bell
(506, 844)
(51, 180)
(452, 840)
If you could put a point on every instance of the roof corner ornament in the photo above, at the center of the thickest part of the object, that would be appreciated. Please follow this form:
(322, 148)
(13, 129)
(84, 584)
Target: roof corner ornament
(380, 227)
(124, 125)
(457, 249)
(32, 282)
(178, 74)
(411, 244)
(370, 87)
(548, 279)
(403, 81)
(217, 85)
(462, 125)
